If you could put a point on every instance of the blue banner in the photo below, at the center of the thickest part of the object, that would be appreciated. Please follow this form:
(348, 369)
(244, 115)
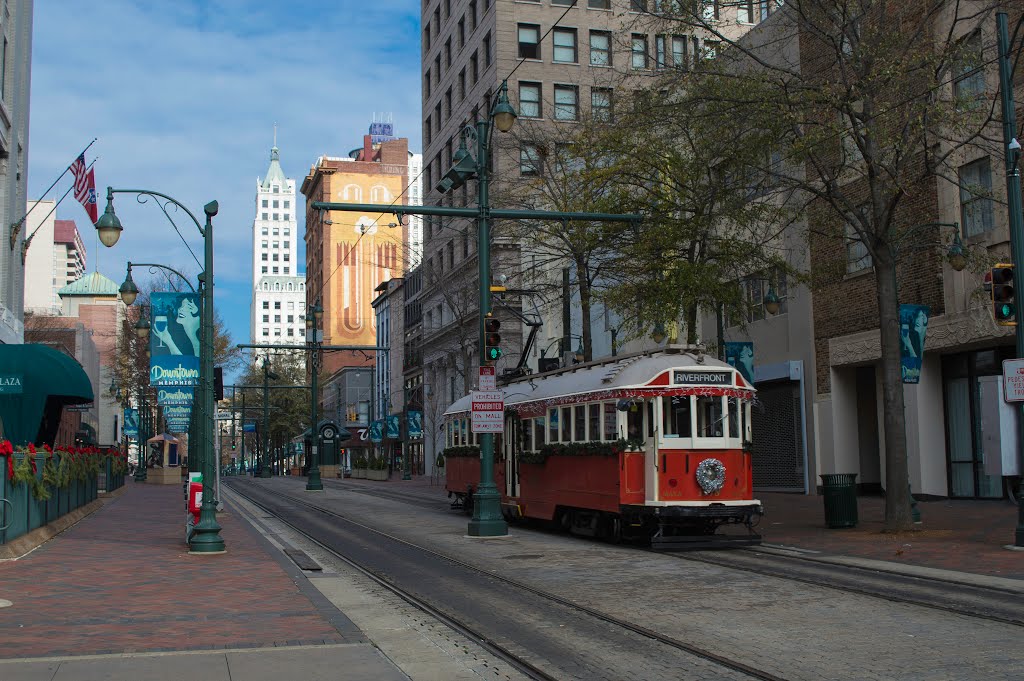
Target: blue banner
(740, 354)
(376, 431)
(394, 429)
(131, 424)
(913, 327)
(249, 427)
(175, 396)
(415, 420)
(174, 339)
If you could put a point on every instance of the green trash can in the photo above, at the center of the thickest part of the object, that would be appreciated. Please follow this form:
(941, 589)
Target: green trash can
(840, 499)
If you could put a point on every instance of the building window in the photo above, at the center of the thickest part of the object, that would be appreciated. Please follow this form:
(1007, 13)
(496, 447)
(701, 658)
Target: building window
(275, 270)
(263, 257)
(448, 53)
(599, 4)
(263, 216)
(976, 197)
(600, 48)
(637, 5)
(639, 51)
(601, 104)
(566, 103)
(564, 40)
(680, 59)
(487, 50)
(426, 83)
(529, 100)
(276, 204)
(529, 41)
(857, 256)
(462, 85)
(969, 85)
(745, 12)
(472, 16)
(266, 305)
(277, 305)
(287, 270)
(264, 203)
(474, 68)
(462, 32)
(266, 319)
(286, 216)
(529, 160)
(660, 57)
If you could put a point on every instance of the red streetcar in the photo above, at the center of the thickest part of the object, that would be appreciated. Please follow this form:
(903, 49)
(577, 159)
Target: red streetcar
(651, 446)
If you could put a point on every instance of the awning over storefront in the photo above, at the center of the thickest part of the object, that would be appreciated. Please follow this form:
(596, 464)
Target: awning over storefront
(36, 382)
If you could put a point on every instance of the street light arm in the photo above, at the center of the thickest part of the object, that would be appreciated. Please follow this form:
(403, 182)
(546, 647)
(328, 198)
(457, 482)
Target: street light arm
(162, 201)
(153, 266)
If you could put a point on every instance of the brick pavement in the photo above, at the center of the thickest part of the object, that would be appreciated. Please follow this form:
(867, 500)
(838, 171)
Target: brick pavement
(120, 581)
(961, 535)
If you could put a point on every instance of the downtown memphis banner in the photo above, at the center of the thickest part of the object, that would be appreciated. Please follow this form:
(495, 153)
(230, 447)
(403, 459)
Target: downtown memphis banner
(913, 326)
(174, 339)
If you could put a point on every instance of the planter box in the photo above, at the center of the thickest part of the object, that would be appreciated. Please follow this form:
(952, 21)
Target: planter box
(359, 473)
(377, 475)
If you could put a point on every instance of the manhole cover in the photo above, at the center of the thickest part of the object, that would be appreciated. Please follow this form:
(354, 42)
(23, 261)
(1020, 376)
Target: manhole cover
(524, 556)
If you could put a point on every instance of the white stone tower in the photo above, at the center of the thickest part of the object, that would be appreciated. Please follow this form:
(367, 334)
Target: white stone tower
(279, 290)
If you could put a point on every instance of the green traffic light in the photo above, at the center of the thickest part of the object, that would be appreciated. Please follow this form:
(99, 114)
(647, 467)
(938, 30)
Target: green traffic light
(1005, 311)
(493, 353)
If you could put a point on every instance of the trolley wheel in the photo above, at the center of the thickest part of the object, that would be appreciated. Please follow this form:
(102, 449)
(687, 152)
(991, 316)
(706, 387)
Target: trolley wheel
(1013, 490)
(613, 529)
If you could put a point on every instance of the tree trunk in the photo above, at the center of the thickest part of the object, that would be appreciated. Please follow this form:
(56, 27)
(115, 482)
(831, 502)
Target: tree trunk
(897, 491)
(583, 276)
(691, 324)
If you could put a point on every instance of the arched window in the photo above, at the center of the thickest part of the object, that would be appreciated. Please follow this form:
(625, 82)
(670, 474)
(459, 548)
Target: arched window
(352, 192)
(379, 193)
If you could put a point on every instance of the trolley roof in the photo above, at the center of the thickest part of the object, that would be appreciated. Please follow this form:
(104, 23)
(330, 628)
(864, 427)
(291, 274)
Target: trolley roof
(633, 375)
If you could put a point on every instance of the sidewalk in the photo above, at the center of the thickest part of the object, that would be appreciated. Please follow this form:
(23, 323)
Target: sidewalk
(122, 584)
(962, 536)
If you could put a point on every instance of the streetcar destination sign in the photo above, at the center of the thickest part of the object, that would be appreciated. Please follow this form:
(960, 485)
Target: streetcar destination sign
(702, 378)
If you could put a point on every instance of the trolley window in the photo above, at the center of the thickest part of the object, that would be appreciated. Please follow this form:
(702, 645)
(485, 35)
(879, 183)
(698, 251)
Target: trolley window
(579, 424)
(709, 416)
(465, 431)
(538, 433)
(611, 431)
(566, 418)
(650, 418)
(635, 422)
(594, 410)
(676, 415)
(734, 417)
(553, 425)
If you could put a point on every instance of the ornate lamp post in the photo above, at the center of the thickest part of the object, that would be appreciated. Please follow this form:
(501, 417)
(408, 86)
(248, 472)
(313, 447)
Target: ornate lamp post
(206, 538)
(265, 471)
(314, 341)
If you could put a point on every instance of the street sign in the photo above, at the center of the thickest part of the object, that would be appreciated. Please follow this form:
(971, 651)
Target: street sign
(1013, 380)
(487, 379)
(488, 411)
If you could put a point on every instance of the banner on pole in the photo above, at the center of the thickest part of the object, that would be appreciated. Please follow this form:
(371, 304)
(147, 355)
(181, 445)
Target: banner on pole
(740, 354)
(913, 326)
(394, 427)
(376, 431)
(131, 424)
(414, 418)
(174, 339)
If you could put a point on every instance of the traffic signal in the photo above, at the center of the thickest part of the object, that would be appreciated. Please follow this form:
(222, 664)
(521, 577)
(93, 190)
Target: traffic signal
(233, 444)
(492, 339)
(218, 384)
(1004, 301)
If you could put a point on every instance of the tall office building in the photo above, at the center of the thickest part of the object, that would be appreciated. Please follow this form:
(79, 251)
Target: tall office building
(54, 258)
(348, 254)
(279, 290)
(15, 80)
(414, 235)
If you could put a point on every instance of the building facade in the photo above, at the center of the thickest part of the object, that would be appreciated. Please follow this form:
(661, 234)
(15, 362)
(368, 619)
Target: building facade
(278, 311)
(15, 82)
(414, 227)
(564, 64)
(55, 257)
(349, 254)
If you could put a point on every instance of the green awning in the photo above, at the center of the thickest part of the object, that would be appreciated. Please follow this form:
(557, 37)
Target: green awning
(36, 382)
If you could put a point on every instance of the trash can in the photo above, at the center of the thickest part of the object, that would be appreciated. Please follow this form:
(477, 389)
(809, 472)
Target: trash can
(840, 499)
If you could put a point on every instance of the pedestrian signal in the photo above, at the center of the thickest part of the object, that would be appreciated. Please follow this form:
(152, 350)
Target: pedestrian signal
(1004, 300)
(492, 339)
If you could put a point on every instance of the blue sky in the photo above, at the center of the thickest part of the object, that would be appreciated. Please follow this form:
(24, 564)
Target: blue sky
(183, 97)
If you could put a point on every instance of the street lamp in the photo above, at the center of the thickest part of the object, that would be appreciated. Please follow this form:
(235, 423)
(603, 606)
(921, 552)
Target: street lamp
(265, 471)
(313, 341)
(206, 538)
(487, 520)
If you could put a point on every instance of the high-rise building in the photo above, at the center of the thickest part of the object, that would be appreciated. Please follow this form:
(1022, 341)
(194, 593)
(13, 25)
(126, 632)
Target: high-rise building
(15, 79)
(279, 290)
(348, 254)
(54, 257)
(414, 237)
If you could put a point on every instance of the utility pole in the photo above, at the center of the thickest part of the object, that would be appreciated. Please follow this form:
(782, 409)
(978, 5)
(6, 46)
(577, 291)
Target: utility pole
(1013, 206)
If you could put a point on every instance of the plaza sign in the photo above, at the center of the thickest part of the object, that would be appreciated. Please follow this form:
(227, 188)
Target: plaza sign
(10, 384)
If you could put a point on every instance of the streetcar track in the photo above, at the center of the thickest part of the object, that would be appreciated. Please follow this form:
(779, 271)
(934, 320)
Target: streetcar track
(867, 573)
(499, 650)
(820, 580)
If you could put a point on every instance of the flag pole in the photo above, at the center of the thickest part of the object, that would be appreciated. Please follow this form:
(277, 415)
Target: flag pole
(28, 239)
(16, 226)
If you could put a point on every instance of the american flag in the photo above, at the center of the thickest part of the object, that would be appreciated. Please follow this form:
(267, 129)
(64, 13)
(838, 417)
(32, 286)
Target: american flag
(85, 187)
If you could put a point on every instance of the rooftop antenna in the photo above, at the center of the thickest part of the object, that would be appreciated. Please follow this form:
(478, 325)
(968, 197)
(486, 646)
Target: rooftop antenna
(275, 133)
